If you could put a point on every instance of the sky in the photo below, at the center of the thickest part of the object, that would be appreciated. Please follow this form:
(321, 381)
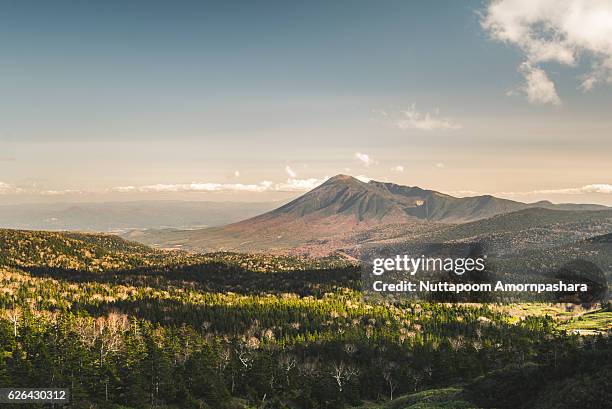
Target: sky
(258, 101)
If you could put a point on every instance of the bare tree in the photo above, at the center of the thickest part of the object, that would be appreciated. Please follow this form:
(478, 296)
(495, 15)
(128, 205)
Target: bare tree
(15, 315)
(417, 376)
(244, 356)
(107, 334)
(343, 373)
(388, 376)
(225, 356)
(110, 330)
(287, 362)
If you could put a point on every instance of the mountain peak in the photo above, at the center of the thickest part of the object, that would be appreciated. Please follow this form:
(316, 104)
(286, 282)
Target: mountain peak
(341, 179)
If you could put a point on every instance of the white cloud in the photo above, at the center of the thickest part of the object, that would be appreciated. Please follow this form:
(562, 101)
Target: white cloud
(299, 184)
(538, 87)
(364, 159)
(561, 31)
(398, 168)
(60, 192)
(602, 188)
(463, 193)
(290, 172)
(7, 188)
(363, 178)
(124, 189)
(601, 72)
(413, 119)
(196, 187)
(597, 188)
(291, 185)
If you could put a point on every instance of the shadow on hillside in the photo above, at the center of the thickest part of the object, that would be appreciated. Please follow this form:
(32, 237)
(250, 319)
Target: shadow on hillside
(215, 278)
(235, 317)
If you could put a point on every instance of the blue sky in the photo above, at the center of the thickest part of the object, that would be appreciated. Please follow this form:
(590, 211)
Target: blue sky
(118, 99)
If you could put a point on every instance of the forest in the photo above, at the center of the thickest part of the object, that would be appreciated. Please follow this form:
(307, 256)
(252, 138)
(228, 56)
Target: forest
(126, 326)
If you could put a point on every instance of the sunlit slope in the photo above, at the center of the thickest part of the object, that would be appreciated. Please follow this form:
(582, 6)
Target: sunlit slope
(23, 248)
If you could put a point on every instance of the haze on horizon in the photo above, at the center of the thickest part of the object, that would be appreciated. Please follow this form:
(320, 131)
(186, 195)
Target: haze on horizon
(238, 101)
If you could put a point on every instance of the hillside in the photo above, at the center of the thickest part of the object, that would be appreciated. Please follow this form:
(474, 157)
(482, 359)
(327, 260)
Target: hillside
(522, 242)
(39, 251)
(76, 251)
(527, 229)
(342, 212)
(173, 330)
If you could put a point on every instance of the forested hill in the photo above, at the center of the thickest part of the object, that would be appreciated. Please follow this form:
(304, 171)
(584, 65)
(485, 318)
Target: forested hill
(108, 253)
(102, 257)
(75, 251)
(127, 327)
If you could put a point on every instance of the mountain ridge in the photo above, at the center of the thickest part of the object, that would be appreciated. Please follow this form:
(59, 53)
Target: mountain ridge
(343, 206)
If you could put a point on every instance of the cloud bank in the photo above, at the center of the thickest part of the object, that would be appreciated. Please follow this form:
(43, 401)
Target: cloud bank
(10, 189)
(560, 31)
(291, 185)
(6, 188)
(601, 188)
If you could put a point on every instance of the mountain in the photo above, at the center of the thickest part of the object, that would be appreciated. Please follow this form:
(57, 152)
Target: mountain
(381, 202)
(340, 208)
(121, 216)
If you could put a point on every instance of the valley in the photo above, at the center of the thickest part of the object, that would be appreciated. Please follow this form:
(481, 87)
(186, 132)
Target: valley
(269, 312)
(127, 326)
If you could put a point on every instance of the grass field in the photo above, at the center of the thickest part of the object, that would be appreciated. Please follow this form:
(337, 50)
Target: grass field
(570, 317)
(593, 321)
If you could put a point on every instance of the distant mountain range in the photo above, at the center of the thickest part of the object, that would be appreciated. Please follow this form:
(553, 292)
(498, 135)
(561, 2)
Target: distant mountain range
(344, 211)
(123, 216)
